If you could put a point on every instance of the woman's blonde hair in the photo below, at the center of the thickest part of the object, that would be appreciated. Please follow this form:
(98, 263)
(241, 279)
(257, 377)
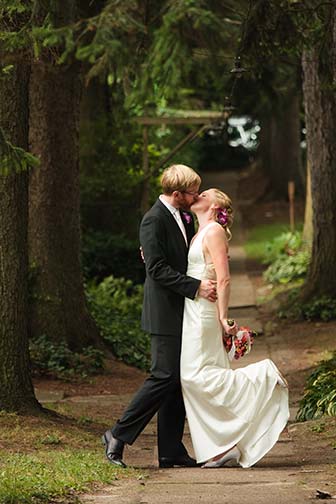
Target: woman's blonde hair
(179, 177)
(224, 214)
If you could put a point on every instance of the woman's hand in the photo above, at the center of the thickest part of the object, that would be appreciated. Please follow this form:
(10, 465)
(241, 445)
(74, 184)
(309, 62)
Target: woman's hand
(230, 326)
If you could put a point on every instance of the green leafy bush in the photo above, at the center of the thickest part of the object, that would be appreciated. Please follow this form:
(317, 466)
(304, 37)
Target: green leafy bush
(320, 393)
(116, 305)
(259, 238)
(286, 243)
(105, 254)
(58, 360)
(287, 257)
(323, 308)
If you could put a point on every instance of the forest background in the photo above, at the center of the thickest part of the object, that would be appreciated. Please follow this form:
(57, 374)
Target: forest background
(75, 76)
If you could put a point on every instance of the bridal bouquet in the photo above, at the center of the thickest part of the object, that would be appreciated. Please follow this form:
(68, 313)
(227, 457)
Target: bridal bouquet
(239, 345)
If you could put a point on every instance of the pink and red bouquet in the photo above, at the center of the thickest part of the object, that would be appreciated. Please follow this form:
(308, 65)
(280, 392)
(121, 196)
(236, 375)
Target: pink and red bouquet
(239, 345)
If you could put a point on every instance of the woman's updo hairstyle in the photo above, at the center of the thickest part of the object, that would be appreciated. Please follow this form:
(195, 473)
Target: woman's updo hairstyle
(224, 214)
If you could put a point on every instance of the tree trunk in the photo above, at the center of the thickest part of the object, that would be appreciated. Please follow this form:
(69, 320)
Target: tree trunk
(16, 389)
(59, 308)
(319, 98)
(285, 162)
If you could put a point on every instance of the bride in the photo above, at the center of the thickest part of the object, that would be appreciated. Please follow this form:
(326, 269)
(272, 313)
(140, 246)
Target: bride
(232, 414)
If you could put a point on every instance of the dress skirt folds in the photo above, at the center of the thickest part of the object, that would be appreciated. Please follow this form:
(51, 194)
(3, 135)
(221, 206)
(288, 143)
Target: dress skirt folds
(244, 407)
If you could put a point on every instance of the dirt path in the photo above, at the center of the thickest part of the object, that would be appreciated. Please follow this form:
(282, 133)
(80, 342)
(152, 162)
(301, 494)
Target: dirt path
(300, 463)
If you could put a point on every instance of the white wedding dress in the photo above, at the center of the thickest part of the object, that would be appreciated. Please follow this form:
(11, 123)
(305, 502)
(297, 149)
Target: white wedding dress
(244, 407)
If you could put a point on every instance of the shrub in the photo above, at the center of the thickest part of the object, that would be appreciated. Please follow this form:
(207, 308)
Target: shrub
(58, 360)
(286, 243)
(323, 308)
(287, 257)
(320, 392)
(105, 254)
(116, 306)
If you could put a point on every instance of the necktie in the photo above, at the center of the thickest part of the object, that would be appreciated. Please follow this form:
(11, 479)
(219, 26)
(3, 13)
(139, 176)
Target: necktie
(178, 218)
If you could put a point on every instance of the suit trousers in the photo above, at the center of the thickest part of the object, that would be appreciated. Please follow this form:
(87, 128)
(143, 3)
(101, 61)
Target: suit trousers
(161, 392)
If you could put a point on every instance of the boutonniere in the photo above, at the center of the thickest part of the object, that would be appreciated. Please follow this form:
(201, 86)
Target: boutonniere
(186, 217)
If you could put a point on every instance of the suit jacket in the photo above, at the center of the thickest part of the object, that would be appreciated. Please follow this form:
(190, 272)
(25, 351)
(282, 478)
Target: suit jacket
(166, 285)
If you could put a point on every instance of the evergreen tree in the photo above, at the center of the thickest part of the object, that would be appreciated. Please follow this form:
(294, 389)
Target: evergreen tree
(16, 389)
(308, 29)
(320, 102)
(59, 307)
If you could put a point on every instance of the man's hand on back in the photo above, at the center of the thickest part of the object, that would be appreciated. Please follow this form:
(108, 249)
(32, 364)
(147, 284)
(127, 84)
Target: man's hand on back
(208, 290)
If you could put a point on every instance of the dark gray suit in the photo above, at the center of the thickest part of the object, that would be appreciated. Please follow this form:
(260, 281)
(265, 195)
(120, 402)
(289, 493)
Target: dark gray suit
(166, 286)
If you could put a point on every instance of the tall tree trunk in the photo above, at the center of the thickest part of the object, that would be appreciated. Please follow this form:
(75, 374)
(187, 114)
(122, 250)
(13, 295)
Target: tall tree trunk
(59, 308)
(16, 389)
(285, 162)
(320, 106)
(265, 144)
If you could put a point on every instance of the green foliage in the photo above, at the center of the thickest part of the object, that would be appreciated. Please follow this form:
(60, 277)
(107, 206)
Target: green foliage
(104, 254)
(111, 176)
(45, 476)
(14, 159)
(116, 306)
(286, 243)
(288, 268)
(318, 308)
(323, 308)
(320, 392)
(14, 7)
(286, 27)
(58, 360)
(110, 193)
(257, 245)
(287, 257)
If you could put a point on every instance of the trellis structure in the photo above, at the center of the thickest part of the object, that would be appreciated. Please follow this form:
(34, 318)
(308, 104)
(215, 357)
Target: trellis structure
(202, 118)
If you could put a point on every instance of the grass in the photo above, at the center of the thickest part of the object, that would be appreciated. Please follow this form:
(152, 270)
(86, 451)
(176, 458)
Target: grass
(48, 458)
(259, 236)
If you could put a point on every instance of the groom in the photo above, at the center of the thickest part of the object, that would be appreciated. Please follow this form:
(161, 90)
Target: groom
(165, 234)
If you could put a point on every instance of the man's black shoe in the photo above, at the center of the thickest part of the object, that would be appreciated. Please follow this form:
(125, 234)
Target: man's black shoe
(114, 449)
(180, 460)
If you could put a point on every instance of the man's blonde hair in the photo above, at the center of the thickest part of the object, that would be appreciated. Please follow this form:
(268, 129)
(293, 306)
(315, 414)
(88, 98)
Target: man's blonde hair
(179, 177)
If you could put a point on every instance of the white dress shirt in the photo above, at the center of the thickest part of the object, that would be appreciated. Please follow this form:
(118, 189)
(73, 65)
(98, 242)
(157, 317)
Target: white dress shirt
(176, 214)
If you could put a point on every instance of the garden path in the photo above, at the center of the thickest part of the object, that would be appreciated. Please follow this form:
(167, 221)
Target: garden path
(287, 474)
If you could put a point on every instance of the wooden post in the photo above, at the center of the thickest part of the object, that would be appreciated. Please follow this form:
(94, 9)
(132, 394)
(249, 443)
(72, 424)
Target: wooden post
(291, 193)
(145, 167)
(307, 234)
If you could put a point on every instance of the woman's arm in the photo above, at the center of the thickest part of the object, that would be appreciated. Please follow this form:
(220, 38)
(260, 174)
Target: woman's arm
(216, 246)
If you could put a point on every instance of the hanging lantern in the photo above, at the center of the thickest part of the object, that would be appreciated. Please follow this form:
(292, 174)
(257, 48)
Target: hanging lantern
(238, 70)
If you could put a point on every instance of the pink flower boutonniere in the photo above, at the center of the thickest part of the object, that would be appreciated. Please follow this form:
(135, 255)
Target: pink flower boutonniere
(187, 217)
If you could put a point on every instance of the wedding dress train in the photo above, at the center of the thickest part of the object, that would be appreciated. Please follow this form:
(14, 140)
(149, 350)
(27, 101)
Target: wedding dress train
(246, 407)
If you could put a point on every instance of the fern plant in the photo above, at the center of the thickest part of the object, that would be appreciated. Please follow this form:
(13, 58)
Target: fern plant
(320, 393)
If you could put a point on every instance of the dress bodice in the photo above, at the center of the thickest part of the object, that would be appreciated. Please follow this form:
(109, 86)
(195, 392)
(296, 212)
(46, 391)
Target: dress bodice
(197, 266)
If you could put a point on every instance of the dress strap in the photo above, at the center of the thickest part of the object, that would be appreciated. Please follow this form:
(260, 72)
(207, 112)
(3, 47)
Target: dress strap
(202, 233)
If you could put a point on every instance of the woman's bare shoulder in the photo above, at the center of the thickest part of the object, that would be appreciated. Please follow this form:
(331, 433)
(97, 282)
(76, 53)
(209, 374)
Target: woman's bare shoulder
(216, 237)
(216, 231)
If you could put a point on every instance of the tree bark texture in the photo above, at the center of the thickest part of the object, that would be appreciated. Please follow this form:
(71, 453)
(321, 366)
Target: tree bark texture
(285, 156)
(16, 389)
(320, 106)
(59, 308)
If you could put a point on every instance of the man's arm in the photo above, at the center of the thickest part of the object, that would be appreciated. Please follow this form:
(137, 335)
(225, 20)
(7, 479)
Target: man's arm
(152, 239)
